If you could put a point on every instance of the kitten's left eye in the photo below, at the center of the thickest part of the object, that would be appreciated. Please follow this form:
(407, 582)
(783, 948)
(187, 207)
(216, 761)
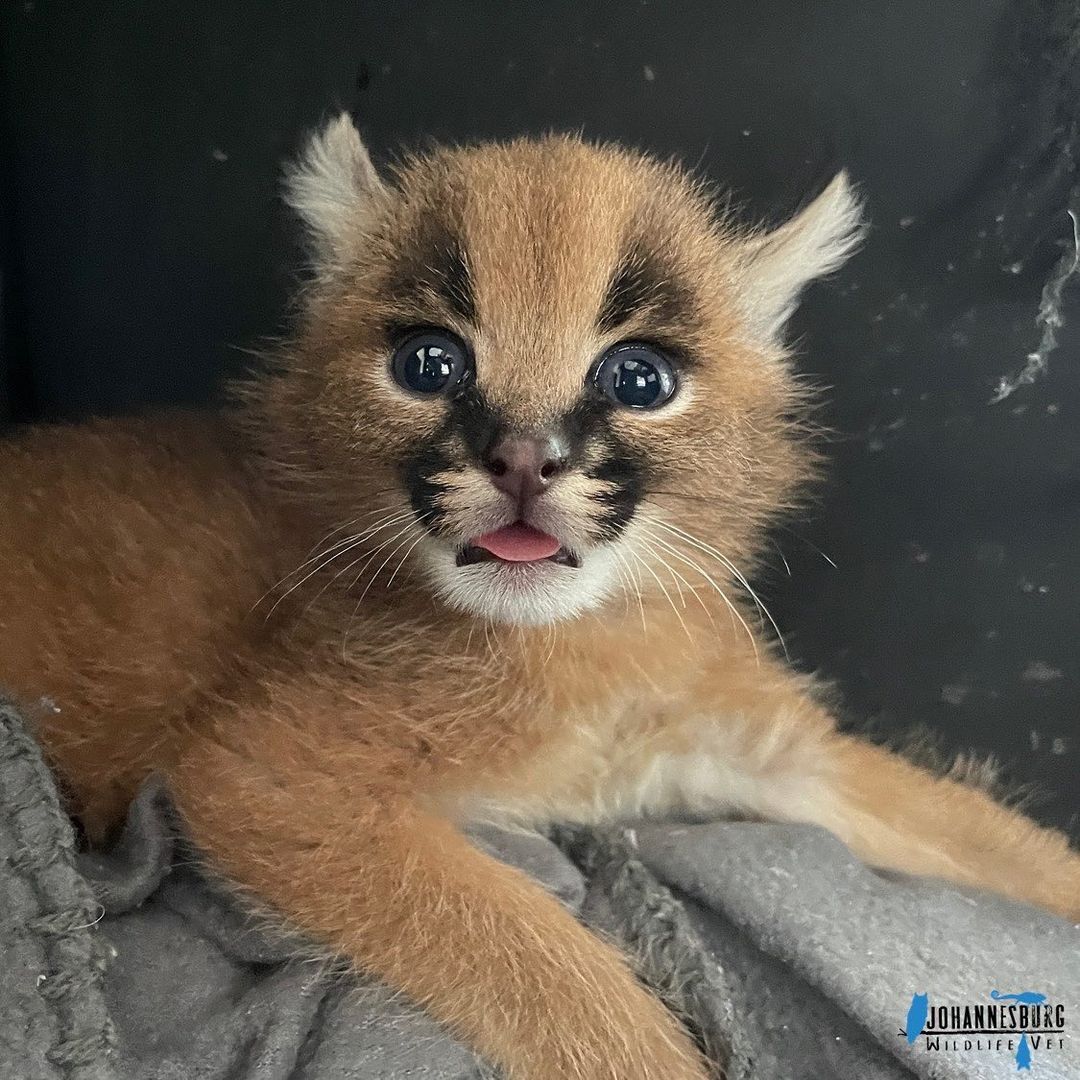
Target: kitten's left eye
(431, 362)
(635, 376)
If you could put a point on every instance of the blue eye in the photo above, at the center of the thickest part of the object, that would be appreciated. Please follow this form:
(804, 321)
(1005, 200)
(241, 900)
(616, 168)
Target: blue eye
(431, 362)
(635, 376)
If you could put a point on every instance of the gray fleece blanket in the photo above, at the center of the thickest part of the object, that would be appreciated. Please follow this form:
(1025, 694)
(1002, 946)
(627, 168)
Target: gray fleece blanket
(787, 958)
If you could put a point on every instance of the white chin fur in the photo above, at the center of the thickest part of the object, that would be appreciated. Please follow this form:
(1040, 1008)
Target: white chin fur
(525, 594)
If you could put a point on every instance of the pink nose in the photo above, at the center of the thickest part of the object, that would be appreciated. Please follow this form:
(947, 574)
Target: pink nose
(524, 466)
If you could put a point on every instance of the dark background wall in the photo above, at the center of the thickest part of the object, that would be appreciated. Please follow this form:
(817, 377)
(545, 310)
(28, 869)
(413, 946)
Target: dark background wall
(144, 245)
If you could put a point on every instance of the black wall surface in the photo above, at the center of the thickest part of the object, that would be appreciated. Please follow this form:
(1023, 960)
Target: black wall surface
(144, 245)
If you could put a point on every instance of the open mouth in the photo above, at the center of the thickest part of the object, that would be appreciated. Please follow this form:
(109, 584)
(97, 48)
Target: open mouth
(517, 543)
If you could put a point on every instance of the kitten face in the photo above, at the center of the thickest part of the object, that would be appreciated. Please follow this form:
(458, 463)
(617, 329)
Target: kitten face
(548, 365)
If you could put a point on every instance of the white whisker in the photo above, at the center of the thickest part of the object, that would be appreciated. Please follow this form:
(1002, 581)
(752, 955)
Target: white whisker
(352, 521)
(720, 592)
(401, 562)
(637, 587)
(679, 578)
(369, 557)
(624, 583)
(663, 589)
(724, 560)
(781, 554)
(810, 544)
(324, 558)
(385, 562)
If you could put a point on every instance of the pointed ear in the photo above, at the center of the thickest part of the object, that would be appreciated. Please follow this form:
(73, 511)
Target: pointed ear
(777, 266)
(333, 186)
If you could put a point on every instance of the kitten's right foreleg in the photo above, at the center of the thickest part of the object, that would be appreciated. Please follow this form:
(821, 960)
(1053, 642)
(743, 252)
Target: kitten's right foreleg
(405, 896)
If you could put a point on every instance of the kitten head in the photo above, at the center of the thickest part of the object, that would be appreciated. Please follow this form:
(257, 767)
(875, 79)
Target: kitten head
(543, 372)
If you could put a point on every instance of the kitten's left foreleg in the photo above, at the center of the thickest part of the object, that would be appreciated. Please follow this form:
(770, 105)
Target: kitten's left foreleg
(894, 814)
(772, 751)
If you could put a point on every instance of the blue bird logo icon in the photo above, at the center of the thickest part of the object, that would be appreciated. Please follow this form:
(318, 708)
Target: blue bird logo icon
(1028, 997)
(916, 1016)
(1023, 1054)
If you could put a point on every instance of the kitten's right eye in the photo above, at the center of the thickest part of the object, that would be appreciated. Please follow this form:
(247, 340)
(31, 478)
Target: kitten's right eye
(431, 362)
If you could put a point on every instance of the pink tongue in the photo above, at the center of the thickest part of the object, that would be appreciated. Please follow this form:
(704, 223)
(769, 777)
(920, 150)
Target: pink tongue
(518, 543)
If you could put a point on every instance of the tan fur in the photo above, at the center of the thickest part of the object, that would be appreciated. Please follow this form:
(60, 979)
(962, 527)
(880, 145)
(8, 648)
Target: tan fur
(325, 723)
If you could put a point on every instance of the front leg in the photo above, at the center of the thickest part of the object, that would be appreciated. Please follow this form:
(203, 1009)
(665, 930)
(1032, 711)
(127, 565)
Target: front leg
(303, 822)
(894, 814)
(761, 744)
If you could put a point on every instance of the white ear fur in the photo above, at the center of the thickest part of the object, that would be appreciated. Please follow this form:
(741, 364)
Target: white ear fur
(778, 265)
(331, 186)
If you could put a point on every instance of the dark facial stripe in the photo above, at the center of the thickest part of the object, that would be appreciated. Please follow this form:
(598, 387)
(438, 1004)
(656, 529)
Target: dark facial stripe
(455, 283)
(626, 473)
(480, 425)
(424, 491)
(641, 283)
(434, 268)
(620, 467)
(471, 421)
(476, 421)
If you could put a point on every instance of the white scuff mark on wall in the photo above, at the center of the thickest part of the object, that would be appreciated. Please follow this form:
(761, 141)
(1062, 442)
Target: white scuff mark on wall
(1058, 745)
(1039, 671)
(955, 693)
(1048, 320)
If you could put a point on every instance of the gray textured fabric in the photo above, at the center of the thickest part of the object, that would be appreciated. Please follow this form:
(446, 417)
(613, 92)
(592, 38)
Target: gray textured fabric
(785, 956)
(53, 1022)
(823, 955)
